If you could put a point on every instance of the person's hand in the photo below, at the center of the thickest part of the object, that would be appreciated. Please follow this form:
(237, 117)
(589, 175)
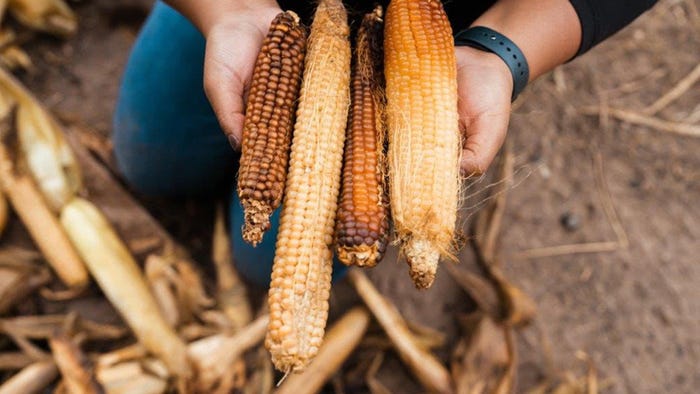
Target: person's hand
(485, 87)
(233, 43)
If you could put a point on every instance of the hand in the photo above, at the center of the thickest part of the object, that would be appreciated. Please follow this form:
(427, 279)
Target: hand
(485, 86)
(233, 43)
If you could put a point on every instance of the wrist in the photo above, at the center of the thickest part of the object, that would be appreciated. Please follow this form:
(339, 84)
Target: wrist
(548, 32)
(208, 14)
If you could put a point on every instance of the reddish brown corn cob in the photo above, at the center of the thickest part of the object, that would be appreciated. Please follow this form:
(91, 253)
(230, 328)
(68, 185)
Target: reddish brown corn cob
(301, 274)
(363, 214)
(424, 137)
(267, 129)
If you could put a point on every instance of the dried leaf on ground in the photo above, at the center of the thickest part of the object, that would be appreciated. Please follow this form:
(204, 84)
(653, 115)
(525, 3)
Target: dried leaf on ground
(484, 361)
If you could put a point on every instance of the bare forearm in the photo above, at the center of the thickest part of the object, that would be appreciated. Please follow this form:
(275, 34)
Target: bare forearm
(547, 31)
(205, 14)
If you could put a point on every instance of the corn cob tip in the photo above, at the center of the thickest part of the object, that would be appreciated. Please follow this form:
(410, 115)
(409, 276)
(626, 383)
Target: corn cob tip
(294, 16)
(256, 220)
(378, 13)
(366, 256)
(422, 258)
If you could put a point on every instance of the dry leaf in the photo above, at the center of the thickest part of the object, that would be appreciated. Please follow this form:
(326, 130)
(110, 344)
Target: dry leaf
(484, 361)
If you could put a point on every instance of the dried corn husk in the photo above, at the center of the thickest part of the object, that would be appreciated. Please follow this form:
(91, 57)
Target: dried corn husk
(49, 158)
(13, 58)
(51, 16)
(120, 278)
(3, 212)
(32, 379)
(74, 366)
(215, 355)
(40, 221)
(231, 295)
(340, 341)
(130, 378)
(3, 8)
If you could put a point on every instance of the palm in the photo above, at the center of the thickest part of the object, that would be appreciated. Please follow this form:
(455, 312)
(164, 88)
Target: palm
(485, 87)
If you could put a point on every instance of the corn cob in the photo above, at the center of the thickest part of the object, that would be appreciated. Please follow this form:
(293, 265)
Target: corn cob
(267, 131)
(49, 158)
(120, 278)
(424, 138)
(301, 274)
(51, 16)
(363, 212)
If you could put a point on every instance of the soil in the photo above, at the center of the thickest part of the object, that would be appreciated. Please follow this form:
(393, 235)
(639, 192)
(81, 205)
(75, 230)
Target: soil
(634, 310)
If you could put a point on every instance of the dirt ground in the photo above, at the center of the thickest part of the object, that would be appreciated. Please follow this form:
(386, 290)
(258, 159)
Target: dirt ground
(633, 309)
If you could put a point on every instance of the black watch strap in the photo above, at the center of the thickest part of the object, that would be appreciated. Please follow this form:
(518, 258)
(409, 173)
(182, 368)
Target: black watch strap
(493, 41)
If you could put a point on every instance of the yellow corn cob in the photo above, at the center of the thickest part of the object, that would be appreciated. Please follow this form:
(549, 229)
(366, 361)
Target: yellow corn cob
(301, 274)
(424, 138)
(363, 212)
(52, 16)
(49, 158)
(267, 131)
(120, 278)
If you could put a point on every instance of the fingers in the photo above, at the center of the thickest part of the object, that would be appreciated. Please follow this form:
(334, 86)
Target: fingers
(224, 85)
(485, 133)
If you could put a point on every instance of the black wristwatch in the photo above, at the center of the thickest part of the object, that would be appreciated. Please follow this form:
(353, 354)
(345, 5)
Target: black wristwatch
(492, 41)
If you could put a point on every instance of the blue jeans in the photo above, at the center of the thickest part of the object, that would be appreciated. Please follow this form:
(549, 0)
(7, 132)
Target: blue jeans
(167, 140)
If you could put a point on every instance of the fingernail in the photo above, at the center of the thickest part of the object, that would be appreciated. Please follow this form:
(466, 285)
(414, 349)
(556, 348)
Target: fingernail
(235, 144)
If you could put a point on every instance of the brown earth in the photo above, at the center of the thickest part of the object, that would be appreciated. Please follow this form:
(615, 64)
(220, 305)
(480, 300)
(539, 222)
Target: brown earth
(635, 309)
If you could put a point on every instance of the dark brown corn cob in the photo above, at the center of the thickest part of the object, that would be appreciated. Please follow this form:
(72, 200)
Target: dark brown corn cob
(363, 214)
(267, 129)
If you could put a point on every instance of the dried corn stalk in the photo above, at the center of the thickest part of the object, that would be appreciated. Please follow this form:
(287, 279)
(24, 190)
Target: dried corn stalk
(363, 211)
(115, 270)
(267, 131)
(341, 340)
(424, 138)
(301, 274)
(52, 16)
(426, 367)
(49, 157)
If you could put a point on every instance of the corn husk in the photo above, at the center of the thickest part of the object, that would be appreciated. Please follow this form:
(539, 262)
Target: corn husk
(340, 341)
(231, 296)
(32, 379)
(120, 278)
(49, 157)
(426, 367)
(214, 356)
(130, 378)
(74, 366)
(41, 223)
(51, 16)
(13, 58)
(3, 212)
(3, 8)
